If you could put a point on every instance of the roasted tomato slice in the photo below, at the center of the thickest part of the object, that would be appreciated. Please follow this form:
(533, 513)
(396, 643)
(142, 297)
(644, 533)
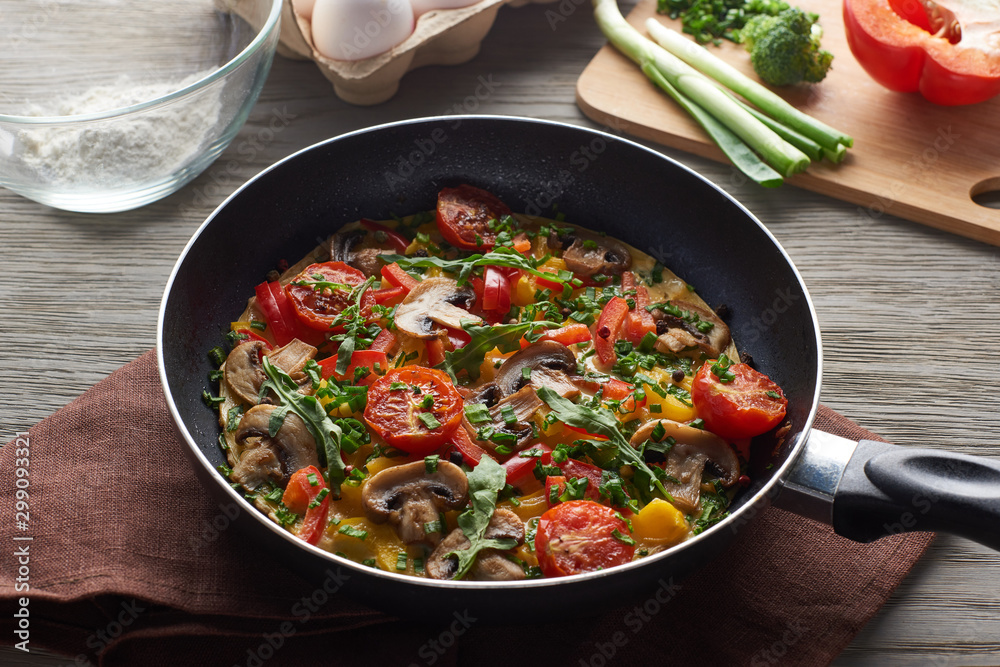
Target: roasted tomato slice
(741, 403)
(464, 214)
(414, 409)
(581, 536)
(317, 305)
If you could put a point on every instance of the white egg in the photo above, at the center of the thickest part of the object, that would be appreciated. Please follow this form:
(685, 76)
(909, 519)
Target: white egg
(424, 6)
(304, 8)
(358, 29)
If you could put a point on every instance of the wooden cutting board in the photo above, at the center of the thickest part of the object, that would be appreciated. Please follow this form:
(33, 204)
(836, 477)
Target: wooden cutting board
(910, 158)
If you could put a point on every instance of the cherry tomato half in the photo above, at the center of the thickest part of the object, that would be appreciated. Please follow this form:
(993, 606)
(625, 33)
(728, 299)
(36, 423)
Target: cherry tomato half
(464, 214)
(317, 308)
(747, 405)
(581, 536)
(399, 410)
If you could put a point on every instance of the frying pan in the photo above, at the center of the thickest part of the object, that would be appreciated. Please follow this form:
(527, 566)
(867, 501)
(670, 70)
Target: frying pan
(865, 490)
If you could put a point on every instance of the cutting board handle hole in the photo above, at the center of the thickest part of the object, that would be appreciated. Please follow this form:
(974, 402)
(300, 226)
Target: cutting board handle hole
(986, 193)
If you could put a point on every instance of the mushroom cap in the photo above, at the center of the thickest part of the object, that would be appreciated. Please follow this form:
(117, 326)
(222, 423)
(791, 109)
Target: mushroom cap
(407, 496)
(356, 249)
(435, 301)
(681, 334)
(491, 565)
(244, 372)
(693, 448)
(291, 448)
(587, 254)
(550, 363)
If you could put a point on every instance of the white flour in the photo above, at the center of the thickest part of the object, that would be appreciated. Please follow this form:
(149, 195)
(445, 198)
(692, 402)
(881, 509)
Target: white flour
(146, 147)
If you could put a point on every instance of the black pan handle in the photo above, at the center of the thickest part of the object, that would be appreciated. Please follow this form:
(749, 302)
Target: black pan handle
(887, 489)
(867, 490)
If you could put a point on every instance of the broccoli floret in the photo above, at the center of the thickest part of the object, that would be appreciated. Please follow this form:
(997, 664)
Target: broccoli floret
(785, 49)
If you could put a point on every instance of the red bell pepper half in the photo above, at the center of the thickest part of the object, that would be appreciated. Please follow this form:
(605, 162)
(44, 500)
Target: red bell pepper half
(396, 276)
(303, 496)
(278, 311)
(910, 46)
(608, 328)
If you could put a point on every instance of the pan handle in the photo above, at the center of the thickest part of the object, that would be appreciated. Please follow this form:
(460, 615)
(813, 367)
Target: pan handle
(867, 490)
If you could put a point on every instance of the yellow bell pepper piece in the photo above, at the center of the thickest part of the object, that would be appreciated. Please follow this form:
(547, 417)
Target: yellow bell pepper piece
(659, 524)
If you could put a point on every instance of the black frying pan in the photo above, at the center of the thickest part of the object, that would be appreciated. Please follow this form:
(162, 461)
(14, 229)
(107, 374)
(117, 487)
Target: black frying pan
(866, 490)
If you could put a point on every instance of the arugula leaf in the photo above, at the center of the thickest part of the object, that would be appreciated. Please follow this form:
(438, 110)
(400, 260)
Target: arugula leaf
(499, 256)
(599, 421)
(484, 338)
(323, 430)
(486, 480)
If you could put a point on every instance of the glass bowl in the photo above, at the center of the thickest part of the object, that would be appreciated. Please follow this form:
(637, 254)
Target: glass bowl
(108, 105)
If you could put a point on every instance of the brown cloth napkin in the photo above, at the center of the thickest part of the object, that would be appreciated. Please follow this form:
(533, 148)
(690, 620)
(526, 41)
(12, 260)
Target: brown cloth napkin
(126, 568)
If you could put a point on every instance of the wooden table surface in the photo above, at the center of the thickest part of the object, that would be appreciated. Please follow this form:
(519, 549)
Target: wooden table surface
(909, 314)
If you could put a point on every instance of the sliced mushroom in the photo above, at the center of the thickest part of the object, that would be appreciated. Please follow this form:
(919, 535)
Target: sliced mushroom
(272, 458)
(587, 254)
(523, 404)
(244, 370)
(408, 497)
(358, 248)
(692, 450)
(435, 301)
(551, 364)
(680, 333)
(491, 564)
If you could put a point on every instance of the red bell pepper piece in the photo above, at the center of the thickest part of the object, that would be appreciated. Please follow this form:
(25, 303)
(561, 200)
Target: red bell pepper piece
(397, 277)
(895, 42)
(458, 338)
(567, 335)
(470, 451)
(385, 342)
(639, 321)
(435, 351)
(278, 312)
(397, 240)
(522, 243)
(360, 359)
(251, 335)
(302, 496)
(496, 290)
(518, 466)
(608, 329)
(390, 295)
(616, 390)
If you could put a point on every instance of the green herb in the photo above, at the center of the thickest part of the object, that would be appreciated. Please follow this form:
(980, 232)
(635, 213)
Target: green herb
(258, 325)
(312, 479)
(233, 417)
(697, 423)
(601, 422)
(401, 560)
(431, 463)
(720, 369)
(772, 394)
(485, 482)
(318, 500)
(428, 402)
(429, 420)
(275, 495)
(418, 565)
(324, 431)
(508, 415)
(215, 375)
(622, 537)
(526, 373)
(217, 355)
(370, 562)
(224, 469)
(483, 339)
(432, 527)
(713, 510)
(212, 401)
(351, 531)
(477, 413)
(657, 274)
(394, 386)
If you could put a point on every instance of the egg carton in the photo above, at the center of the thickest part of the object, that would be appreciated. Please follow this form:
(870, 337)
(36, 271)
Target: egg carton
(441, 37)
